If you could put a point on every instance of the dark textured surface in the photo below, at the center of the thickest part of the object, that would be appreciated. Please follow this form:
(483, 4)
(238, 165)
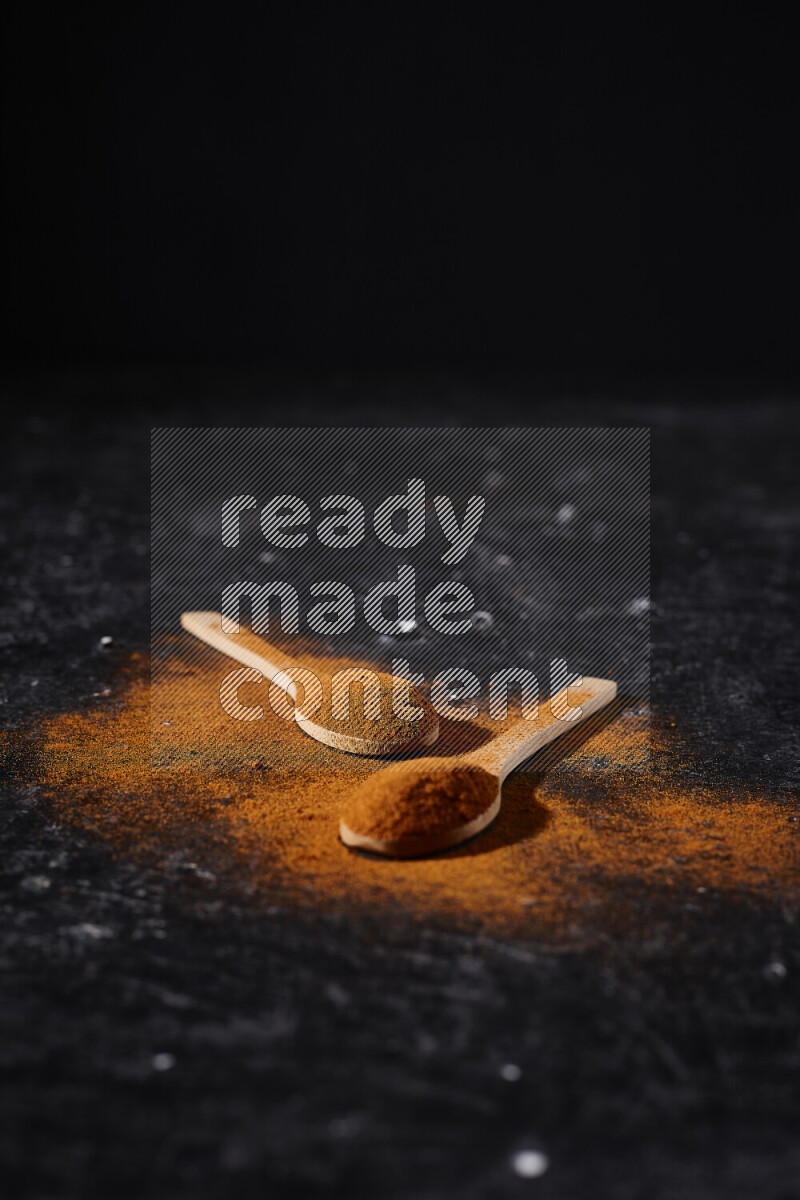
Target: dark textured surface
(316, 1054)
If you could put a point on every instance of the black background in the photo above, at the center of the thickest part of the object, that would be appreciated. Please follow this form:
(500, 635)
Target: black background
(571, 188)
(533, 215)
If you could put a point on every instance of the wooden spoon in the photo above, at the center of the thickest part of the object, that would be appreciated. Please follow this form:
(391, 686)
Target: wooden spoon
(406, 826)
(388, 738)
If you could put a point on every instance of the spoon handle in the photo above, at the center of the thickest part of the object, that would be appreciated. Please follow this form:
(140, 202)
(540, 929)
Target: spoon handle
(244, 646)
(524, 738)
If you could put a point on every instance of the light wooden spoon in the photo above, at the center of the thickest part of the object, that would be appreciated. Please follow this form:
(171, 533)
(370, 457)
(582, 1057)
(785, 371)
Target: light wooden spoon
(252, 651)
(475, 777)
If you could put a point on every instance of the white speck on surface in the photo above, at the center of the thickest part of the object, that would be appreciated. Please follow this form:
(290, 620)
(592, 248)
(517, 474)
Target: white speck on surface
(530, 1164)
(166, 722)
(503, 560)
(163, 1062)
(337, 995)
(638, 607)
(266, 556)
(91, 933)
(511, 1072)
(36, 884)
(700, 890)
(482, 620)
(106, 640)
(774, 970)
(406, 625)
(565, 514)
(345, 1127)
(34, 683)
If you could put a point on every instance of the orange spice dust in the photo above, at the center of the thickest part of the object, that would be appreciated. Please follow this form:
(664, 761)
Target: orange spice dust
(602, 830)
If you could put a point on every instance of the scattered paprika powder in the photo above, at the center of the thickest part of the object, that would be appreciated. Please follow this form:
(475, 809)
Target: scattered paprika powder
(600, 832)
